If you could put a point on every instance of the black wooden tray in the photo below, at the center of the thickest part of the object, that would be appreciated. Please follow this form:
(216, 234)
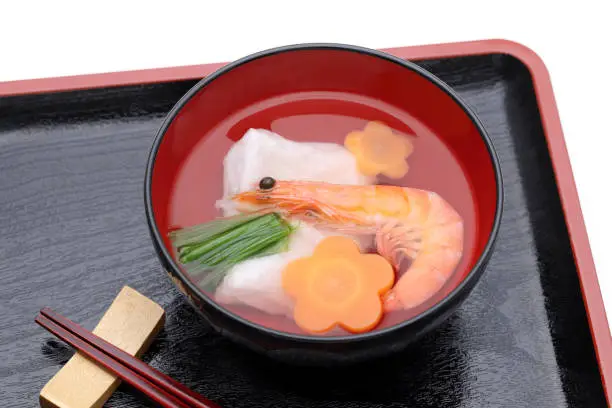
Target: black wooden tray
(73, 232)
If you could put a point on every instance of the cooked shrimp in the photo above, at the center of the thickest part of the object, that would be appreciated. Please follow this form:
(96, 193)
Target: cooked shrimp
(417, 231)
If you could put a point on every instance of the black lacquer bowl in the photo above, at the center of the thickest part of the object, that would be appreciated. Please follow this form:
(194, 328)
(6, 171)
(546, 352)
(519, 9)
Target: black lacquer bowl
(236, 91)
(532, 333)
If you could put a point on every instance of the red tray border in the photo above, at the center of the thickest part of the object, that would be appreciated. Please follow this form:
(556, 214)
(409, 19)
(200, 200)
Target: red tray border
(551, 122)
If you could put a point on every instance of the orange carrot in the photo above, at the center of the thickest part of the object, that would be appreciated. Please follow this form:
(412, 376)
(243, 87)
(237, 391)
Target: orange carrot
(379, 151)
(338, 285)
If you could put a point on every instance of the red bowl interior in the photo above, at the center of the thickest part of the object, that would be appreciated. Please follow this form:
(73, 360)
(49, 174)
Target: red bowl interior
(321, 94)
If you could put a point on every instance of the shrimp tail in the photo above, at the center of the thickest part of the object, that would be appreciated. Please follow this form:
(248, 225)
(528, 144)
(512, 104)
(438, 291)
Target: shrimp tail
(424, 257)
(398, 242)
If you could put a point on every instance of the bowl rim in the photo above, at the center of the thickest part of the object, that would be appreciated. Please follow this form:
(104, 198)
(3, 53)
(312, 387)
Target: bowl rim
(472, 276)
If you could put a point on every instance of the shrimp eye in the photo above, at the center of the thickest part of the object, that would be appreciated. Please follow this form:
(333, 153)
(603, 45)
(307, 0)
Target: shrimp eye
(267, 183)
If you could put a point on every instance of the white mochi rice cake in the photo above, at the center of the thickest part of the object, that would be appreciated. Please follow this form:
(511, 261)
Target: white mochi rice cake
(261, 153)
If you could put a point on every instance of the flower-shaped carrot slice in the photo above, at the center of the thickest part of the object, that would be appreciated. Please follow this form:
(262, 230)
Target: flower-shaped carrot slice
(379, 151)
(338, 285)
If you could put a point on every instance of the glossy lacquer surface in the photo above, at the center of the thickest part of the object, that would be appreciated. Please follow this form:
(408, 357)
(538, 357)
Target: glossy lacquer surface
(73, 232)
(313, 93)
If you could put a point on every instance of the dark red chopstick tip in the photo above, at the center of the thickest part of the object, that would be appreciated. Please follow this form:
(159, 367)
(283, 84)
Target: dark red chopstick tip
(160, 396)
(125, 360)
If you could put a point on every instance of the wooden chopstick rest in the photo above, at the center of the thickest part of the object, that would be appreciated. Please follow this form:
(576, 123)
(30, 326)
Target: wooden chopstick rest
(130, 323)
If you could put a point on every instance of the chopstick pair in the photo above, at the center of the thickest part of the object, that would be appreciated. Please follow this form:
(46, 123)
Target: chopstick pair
(162, 389)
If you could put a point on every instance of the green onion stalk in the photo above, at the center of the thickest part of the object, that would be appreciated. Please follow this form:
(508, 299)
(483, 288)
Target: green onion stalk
(209, 250)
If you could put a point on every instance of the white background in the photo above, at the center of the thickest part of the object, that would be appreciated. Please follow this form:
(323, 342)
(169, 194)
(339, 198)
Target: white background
(53, 38)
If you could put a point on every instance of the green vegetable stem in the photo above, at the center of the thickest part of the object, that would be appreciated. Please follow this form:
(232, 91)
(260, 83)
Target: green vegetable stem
(209, 250)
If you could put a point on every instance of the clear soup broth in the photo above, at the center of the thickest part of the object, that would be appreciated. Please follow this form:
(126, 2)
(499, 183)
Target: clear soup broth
(323, 117)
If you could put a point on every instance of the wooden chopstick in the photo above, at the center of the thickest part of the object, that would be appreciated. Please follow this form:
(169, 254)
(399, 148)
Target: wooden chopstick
(151, 374)
(155, 393)
(162, 389)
